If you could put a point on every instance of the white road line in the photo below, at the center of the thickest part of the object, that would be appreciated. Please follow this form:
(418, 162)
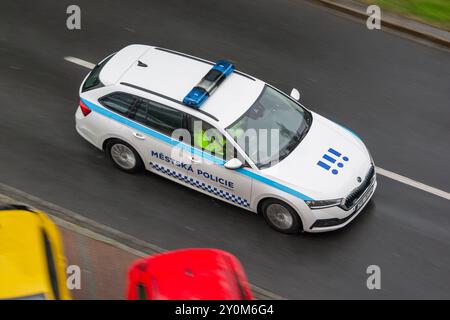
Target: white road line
(80, 62)
(413, 183)
(380, 171)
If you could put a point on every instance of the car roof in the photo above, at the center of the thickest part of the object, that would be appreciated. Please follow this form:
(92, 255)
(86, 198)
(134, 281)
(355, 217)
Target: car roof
(193, 274)
(174, 74)
(22, 255)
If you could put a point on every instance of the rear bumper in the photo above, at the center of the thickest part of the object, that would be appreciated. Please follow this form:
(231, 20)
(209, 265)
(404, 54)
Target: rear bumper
(82, 127)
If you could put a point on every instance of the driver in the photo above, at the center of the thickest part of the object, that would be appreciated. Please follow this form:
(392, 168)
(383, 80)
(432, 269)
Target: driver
(210, 140)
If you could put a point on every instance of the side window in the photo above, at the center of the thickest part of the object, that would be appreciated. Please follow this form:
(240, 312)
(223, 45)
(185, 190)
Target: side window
(119, 102)
(207, 138)
(159, 117)
(141, 113)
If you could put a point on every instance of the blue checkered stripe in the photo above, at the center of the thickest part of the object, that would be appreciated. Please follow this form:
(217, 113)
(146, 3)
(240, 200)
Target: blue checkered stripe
(201, 185)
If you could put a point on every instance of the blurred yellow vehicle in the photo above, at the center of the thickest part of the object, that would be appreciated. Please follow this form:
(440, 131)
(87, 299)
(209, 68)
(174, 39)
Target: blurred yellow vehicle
(32, 264)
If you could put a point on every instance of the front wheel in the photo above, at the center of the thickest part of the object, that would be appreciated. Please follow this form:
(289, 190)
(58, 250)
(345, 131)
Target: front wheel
(281, 216)
(123, 156)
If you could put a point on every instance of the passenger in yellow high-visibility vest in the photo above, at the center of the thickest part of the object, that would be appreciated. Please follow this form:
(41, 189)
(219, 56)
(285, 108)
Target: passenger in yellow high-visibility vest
(214, 143)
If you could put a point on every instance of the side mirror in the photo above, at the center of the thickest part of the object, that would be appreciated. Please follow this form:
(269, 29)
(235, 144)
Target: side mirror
(295, 94)
(233, 164)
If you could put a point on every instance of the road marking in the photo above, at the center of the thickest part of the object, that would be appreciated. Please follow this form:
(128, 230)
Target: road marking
(77, 223)
(380, 171)
(80, 62)
(413, 183)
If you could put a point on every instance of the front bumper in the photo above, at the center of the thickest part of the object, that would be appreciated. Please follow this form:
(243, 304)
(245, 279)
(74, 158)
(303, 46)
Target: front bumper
(336, 217)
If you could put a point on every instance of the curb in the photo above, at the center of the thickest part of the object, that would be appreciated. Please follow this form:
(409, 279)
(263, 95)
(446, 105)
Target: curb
(387, 22)
(77, 223)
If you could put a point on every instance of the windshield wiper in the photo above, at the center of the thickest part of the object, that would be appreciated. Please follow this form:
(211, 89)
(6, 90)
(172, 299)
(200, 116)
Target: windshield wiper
(296, 139)
(285, 152)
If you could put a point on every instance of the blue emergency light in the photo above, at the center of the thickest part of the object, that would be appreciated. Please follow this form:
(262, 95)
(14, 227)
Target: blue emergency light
(208, 84)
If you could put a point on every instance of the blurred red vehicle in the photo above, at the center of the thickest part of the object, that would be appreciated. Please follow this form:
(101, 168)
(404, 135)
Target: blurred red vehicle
(189, 274)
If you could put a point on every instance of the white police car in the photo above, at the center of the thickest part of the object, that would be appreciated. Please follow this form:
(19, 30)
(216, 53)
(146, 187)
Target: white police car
(211, 128)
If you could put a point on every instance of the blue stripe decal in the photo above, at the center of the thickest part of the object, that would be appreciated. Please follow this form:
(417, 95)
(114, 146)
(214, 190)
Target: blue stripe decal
(351, 131)
(327, 157)
(336, 153)
(323, 165)
(105, 112)
(274, 184)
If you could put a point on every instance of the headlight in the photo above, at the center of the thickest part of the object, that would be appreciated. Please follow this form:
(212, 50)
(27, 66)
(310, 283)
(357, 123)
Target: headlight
(321, 204)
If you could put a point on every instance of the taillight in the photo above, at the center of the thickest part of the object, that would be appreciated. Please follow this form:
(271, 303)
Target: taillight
(84, 108)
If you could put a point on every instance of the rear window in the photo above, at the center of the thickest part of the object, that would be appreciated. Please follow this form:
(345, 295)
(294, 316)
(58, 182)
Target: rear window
(119, 102)
(93, 80)
(159, 117)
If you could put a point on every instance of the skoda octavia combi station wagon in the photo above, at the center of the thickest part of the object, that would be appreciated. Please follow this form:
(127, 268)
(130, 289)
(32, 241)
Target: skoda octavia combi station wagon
(210, 127)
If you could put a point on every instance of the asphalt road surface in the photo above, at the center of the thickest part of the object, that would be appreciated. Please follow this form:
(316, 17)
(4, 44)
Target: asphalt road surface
(394, 92)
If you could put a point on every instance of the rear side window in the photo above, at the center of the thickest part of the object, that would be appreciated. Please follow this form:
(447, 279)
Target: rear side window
(93, 80)
(119, 102)
(159, 117)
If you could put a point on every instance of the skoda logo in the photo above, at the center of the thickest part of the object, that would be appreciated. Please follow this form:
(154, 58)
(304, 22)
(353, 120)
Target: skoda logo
(359, 179)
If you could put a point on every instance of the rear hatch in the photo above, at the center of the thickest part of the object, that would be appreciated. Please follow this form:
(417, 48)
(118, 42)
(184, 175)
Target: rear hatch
(111, 69)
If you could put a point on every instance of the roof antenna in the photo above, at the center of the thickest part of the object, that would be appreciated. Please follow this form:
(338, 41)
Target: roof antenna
(141, 64)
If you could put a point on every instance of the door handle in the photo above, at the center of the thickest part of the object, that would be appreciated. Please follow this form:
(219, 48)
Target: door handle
(195, 160)
(139, 135)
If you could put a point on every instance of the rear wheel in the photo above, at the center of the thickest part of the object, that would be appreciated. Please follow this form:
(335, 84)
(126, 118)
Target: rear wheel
(123, 156)
(281, 216)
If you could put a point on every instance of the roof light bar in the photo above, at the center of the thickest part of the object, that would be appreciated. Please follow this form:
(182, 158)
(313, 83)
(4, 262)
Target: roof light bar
(197, 96)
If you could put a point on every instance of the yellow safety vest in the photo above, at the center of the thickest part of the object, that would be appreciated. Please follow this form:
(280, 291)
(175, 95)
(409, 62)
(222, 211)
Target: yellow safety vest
(202, 140)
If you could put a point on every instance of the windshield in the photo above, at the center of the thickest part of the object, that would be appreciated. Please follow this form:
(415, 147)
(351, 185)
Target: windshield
(272, 127)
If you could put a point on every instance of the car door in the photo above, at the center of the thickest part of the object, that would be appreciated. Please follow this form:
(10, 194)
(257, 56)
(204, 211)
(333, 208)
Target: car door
(122, 104)
(209, 174)
(154, 139)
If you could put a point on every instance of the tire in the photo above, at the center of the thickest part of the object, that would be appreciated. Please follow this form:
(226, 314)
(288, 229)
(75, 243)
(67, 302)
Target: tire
(123, 156)
(281, 216)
